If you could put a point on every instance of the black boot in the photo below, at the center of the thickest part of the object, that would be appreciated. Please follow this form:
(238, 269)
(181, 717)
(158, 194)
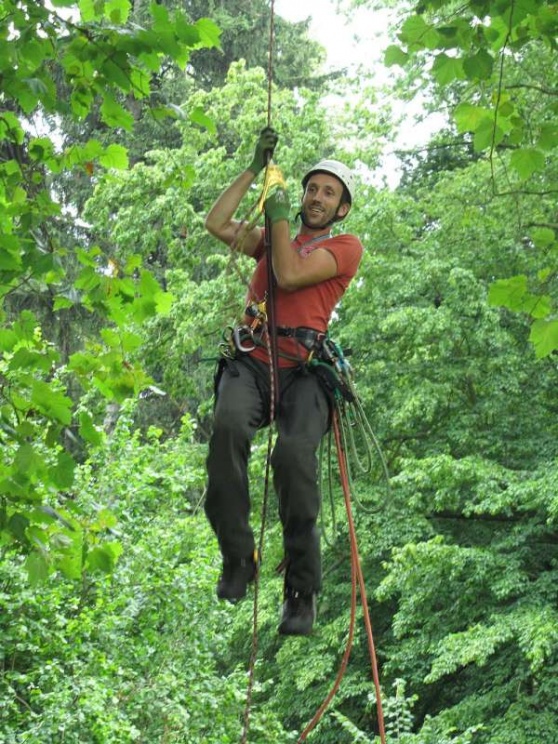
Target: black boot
(299, 612)
(237, 574)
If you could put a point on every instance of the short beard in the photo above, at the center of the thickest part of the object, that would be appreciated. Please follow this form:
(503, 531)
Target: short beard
(329, 223)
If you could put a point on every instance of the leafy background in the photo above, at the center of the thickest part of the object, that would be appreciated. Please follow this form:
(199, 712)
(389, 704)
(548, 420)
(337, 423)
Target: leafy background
(120, 123)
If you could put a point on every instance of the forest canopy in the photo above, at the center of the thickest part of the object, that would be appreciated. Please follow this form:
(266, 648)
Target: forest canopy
(120, 122)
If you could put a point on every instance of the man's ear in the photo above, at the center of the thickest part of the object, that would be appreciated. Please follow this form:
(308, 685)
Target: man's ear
(343, 210)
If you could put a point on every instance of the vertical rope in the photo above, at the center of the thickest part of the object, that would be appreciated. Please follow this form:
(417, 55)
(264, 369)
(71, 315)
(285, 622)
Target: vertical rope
(271, 343)
(270, 61)
(270, 301)
(254, 651)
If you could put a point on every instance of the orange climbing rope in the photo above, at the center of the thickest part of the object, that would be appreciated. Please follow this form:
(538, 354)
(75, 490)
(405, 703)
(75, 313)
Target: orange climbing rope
(356, 577)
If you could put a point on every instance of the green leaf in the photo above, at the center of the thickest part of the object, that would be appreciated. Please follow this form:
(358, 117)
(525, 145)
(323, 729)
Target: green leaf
(121, 340)
(62, 474)
(17, 525)
(543, 237)
(105, 520)
(52, 403)
(35, 51)
(117, 11)
(468, 117)
(164, 301)
(41, 149)
(414, 32)
(140, 83)
(70, 563)
(198, 116)
(209, 33)
(37, 567)
(115, 156)
(8, 339)
(81, 101)
(160, 15)
(61, 303)
(28, 461)
(91, 150)
(87, 9)
(487, 134)
(527, 161)
(25, 325)
(513, 294)
(115, 115)
(10, 128)
(30, 359)
(479, 66)
(538, 306)
(10, 260)
(544, 337)
(548, 138)
(24, 94)
(447, 69)
(103, 558)
(394, 55)
(508, 292)
(187, 32)
(88, 430)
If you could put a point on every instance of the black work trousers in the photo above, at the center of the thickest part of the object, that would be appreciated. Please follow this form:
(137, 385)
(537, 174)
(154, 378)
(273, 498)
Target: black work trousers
(302, 419)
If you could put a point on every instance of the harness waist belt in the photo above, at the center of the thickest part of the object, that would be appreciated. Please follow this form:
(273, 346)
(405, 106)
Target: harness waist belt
(308, 337)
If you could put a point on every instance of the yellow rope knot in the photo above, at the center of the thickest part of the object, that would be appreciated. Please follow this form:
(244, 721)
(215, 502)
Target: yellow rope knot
(273, 177)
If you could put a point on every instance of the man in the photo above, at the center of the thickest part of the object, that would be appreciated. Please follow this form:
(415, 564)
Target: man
(311, 274)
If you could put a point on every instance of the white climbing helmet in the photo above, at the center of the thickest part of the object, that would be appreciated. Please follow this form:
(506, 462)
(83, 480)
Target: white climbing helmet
(337, 169)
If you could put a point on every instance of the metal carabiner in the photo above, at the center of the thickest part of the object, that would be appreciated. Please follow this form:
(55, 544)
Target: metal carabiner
(238, 341)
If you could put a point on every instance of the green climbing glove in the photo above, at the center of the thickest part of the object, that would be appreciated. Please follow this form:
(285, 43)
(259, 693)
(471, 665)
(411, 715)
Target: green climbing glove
(277, 205)
(264, 150)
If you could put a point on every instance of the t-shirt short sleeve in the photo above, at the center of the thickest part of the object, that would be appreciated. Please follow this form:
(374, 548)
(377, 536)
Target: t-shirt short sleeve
(347, 251)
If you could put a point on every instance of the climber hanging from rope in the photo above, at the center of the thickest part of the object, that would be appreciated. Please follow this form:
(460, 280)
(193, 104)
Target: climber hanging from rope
(305, 280)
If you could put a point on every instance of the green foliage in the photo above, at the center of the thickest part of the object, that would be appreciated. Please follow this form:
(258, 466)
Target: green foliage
(118, 637)
(486, 57)
(132, 656)
(101, 60)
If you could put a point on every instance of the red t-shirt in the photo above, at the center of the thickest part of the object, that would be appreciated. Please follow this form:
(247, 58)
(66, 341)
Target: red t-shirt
(309, 306)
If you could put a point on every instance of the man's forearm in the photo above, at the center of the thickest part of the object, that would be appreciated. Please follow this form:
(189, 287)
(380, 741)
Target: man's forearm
(219, 221)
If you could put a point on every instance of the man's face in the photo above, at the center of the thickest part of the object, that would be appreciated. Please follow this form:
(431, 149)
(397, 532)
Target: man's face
(321, 201)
